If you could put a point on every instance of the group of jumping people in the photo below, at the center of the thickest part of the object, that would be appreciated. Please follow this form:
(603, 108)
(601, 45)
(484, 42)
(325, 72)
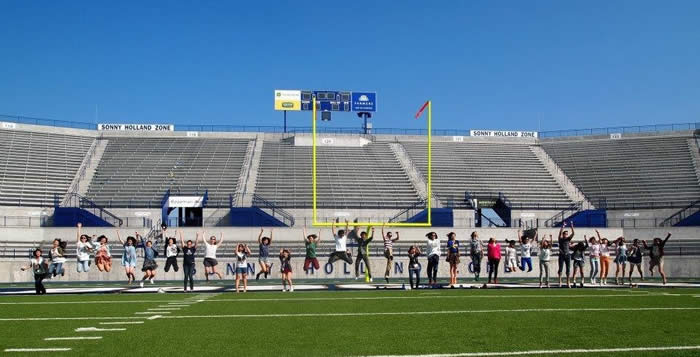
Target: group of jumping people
(599, 250)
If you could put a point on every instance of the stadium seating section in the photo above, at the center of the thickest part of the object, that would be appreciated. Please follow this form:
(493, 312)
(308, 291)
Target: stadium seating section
(34, 166)
(639, 172)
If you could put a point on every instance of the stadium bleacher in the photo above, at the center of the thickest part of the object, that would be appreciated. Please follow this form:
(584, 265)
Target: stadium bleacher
(137, 171)
(347, 177)
(630, 172)
(485, 169)
(37, 165)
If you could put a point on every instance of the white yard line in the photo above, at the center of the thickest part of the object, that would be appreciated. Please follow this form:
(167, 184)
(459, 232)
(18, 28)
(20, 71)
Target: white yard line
(154, 317)
(73, 338)
(37, 349)
(151, 312)
(122, 323)
(95, 329)
(550, 352)
(438, 312)
(164, 309)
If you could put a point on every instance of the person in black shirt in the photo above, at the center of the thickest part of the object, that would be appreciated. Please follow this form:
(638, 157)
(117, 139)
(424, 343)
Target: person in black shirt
(363, 241)
(564, 252)
(189, 251)
(413, 266)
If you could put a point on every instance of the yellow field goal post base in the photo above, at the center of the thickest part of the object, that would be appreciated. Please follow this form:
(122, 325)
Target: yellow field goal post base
(315, 221)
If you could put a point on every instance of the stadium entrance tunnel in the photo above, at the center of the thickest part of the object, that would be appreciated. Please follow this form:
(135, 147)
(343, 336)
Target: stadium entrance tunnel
(183, 211)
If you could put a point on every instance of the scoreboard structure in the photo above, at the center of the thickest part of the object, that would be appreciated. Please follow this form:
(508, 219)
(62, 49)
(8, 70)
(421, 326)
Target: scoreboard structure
(326, 102)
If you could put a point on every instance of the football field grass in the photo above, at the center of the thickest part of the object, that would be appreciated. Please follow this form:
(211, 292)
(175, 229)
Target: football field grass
(470, 322)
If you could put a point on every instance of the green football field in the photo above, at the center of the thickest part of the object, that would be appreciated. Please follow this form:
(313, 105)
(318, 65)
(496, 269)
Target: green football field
(469, 322)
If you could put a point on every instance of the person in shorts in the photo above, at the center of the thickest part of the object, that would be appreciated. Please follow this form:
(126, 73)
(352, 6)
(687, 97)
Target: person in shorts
(242, 254)
(210, 248)
(453, 256)
(128, 257)
(656, 255)
(264, 254)
(103, 255)
(578, 256)
(620, 260)
(310, 243)
(286, 270)
(511, 257)
(634, 257)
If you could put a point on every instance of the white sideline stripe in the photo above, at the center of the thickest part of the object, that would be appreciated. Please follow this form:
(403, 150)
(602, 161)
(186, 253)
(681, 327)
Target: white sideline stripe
(164, 309)
(83, 302)
(95, 329)
(550, 352)
(438, 312)
(71, 318)
(151, 312)
(37, 349)
(122, 323)
(73, 338)
(154, 317)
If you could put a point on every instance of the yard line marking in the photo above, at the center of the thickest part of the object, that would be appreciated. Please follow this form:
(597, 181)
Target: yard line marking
(73, 338)
(83, 302)
(71, 318)
(164, 309)
(122, 323)
(95, 329)
(438, 312)
(154, 317)
(37, 349)
(151, 312)
(549, 352)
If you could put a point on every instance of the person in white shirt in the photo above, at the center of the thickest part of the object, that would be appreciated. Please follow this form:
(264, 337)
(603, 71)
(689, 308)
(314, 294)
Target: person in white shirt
(38, 267)
(103, 255)
(171, 253)
(57, 258)
(511, 257)
(83, 249)
(341, 251)
(525, 251)
(210, 248)
(544, 255)
(433, 250)
(242, 254)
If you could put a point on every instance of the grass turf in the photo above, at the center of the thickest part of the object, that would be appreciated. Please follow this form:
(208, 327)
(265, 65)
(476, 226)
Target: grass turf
(376, 322)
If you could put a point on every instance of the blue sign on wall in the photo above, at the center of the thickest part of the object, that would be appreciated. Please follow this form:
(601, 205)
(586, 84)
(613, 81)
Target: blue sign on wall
(364, 102)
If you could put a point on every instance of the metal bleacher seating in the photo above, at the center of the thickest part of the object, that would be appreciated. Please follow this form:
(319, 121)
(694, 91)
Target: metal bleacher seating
(347, 177)
(34, 165)
(485, 169)
(137, 171)
(630, 172)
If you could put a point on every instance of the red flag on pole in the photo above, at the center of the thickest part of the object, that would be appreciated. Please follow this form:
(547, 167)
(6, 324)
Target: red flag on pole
(420, 111)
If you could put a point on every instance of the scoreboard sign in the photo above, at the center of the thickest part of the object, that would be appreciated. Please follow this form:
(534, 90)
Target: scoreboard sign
(287, 99)
(364, 102)
(326, 100)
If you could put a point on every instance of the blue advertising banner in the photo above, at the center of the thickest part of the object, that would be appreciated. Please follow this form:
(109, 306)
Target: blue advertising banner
(364, 101)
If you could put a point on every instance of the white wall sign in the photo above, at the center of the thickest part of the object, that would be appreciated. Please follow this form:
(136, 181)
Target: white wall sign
(635, 214)
(616, 136)
(142, 214)
(136, 127)
(185, 201)
(527, 215)
(9, 125)
(192, 134)
(504, 133)
(458, 139)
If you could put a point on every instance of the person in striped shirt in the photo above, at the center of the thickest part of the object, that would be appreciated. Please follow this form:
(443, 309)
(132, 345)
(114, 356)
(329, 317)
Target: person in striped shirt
(388, 250)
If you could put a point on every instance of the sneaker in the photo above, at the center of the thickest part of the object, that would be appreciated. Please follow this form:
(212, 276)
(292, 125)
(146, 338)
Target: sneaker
(387, 279)
(291, 289)
(356, 278)
(371, 280)
(151, 280)
(141, 283)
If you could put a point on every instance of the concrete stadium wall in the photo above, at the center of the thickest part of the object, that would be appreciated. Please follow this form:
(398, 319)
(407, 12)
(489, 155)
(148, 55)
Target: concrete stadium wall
(675, 267)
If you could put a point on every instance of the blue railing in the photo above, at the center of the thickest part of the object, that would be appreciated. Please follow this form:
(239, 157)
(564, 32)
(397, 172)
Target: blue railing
(358, 130)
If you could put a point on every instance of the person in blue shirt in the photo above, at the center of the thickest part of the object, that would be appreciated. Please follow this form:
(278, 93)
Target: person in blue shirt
(453, 256)
(149, 259)
(129, 256)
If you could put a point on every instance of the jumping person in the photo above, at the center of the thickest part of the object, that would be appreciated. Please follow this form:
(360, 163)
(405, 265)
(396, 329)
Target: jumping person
(310, 243)
(594, 256)
(39, 268)
(604, 258)
(656, 255)
(544, 255)
(242, 254)
(453, 256)
(149, 260)
(493, 252)
(388, 251)
(264, 254)
(341, 251)
(620, 260)
(286, 270)
(564, 252)
(83, 249)
(476, 251)
(433, 249)
(171, 253)
(413, 266)
(363, 241)
(525, 251)
(188, 254)
(578, 255)
(56, 254)
(511, 257)
(129, 256)
(210, 248)
(103, 255)
(635, 259)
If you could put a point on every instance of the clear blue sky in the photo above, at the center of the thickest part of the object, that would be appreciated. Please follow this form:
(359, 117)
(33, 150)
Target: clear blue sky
(485, 64)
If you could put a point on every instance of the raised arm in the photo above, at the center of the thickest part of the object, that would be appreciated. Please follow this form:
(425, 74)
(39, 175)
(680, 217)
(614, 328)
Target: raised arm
(247, 250)
(370, 233)
(119, 237)
(318, 237)
(182, 241)
(571, 223)
(260, 235)
(77, 237)
(221, 238)
(561, 230)
(333, 228)
(304, 234)
(397, 236)
(383, 236)
(668, 235)
(271, 232)
(347, 227)
(598, 234)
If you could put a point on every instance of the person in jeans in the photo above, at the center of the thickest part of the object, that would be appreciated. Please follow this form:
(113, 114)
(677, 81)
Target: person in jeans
(525, 251)
(341, 248)
(433, 249)
(565, 253)
(493, 251)
(188, 254)
(544, 255)
(83, 249)
(476, 251)
(56, 254)
(413, 266)
(388, 251)
(594, 256)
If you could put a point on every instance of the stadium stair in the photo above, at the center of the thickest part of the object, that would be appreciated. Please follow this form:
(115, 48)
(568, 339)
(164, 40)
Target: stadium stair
(686, 217)
(79, 209)
(262, 213)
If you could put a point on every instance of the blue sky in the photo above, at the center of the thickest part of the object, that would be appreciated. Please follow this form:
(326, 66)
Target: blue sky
(485, 64)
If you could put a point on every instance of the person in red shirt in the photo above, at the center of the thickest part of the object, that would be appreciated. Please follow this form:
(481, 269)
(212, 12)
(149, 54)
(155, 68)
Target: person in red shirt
(494, 259)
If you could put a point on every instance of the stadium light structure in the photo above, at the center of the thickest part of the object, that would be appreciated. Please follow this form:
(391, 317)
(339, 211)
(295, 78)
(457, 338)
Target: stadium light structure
(316, 223)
